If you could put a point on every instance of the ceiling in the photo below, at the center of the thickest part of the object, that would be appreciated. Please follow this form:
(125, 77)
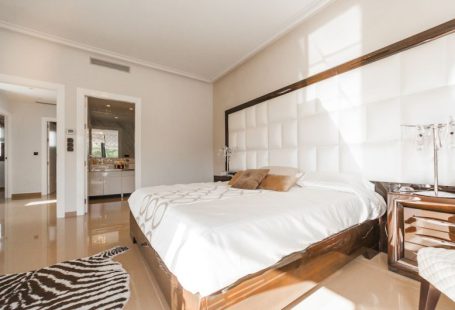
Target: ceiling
(202, 39)
(37, 94)
(102, 111)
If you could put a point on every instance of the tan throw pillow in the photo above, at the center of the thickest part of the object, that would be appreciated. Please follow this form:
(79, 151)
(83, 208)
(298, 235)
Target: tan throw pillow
(250, 179)
(279, 183)
(235, 177)
(282, 170)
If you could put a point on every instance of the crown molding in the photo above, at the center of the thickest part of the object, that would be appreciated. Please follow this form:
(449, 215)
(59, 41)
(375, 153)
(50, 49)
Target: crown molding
(300, 17)
(103, 52)
(309, 11)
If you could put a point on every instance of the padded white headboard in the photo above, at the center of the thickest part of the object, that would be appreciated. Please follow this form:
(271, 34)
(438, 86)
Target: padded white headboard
(351, 122)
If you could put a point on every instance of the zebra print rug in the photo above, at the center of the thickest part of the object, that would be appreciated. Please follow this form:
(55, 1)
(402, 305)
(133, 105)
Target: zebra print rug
(95, 282)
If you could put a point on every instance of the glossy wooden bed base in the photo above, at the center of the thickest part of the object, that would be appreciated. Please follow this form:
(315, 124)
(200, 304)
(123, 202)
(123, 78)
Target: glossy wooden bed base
(313, 264)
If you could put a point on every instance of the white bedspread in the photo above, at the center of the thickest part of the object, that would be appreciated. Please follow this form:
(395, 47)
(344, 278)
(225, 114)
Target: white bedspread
(210, 235)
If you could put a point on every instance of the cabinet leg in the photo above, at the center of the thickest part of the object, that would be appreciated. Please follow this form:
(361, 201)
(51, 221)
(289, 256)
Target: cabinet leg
(429, 296)
(370, 253)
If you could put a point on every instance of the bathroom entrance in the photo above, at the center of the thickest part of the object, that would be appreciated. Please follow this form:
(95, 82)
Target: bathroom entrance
(110, 137)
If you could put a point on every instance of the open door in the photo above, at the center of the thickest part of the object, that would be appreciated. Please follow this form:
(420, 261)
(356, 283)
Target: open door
(51, 158)
(3, 158)
(86, 154)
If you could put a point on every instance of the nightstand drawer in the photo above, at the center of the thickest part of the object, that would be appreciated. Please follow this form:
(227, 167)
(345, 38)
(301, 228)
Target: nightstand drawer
(418, 238)
(410, 252)
(429, 237)
(416, 222)
(425, 228)
(429, 219)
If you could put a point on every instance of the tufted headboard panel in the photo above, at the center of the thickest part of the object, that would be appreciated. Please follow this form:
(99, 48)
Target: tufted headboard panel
(351, 122)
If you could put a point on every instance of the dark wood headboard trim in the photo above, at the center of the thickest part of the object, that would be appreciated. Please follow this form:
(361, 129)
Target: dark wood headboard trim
(400, 46)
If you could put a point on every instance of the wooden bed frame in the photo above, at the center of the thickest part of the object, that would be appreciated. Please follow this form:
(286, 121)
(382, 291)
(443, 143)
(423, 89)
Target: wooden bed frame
(313, 264)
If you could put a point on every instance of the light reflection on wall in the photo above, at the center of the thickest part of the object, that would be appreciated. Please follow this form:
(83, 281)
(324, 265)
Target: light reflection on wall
(324, 53)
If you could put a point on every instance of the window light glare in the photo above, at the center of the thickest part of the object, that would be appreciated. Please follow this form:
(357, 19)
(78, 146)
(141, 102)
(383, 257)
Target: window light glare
(40, 202)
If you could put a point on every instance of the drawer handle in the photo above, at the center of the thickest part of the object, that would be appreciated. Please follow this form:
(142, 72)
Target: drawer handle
(434, 221)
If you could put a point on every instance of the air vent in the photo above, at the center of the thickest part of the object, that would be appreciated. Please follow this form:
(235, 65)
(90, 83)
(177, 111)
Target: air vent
(108, 64)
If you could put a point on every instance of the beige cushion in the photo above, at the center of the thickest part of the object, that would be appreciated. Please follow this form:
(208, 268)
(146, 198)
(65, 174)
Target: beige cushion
(282, 170)
(250, 179)
(280, 183)
(235, 177)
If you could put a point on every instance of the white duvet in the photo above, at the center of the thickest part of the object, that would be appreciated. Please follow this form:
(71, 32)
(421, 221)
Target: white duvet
(210, 235)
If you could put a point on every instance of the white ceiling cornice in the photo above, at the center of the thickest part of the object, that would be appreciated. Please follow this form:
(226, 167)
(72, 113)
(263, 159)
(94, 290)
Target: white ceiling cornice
(96, 50)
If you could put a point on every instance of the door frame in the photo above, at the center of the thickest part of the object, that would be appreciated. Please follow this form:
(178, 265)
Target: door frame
(81, 164)
(61, 157)
(44, 150)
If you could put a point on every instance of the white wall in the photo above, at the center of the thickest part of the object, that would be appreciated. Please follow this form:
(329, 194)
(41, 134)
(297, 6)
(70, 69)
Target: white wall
(25, 138)
(176, 111)
(342, 31)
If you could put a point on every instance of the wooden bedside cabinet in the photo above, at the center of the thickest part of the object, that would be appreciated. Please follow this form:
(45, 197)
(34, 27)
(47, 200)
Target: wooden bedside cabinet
(222, 178)
(414, 222)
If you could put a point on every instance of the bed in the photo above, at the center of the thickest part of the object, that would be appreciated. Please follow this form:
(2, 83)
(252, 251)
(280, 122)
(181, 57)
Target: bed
(211, 246)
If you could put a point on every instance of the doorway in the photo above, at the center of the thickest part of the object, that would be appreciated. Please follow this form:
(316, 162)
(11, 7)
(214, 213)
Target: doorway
(51, 130)
(121, 159)
(39, 90)
(110, 150)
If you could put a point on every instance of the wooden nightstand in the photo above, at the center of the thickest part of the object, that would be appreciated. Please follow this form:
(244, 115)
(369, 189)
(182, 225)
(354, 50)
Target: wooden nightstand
(222, 178)
(415, 222)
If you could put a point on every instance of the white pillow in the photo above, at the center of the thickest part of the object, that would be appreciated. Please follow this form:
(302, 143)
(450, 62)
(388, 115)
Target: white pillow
(373, 204)
(330, 179)
(282, 170)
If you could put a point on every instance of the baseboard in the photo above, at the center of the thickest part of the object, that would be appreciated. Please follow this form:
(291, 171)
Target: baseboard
(71, 214)
(25, 196)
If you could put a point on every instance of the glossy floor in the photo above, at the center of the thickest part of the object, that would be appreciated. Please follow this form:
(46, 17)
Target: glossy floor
(31, 237)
